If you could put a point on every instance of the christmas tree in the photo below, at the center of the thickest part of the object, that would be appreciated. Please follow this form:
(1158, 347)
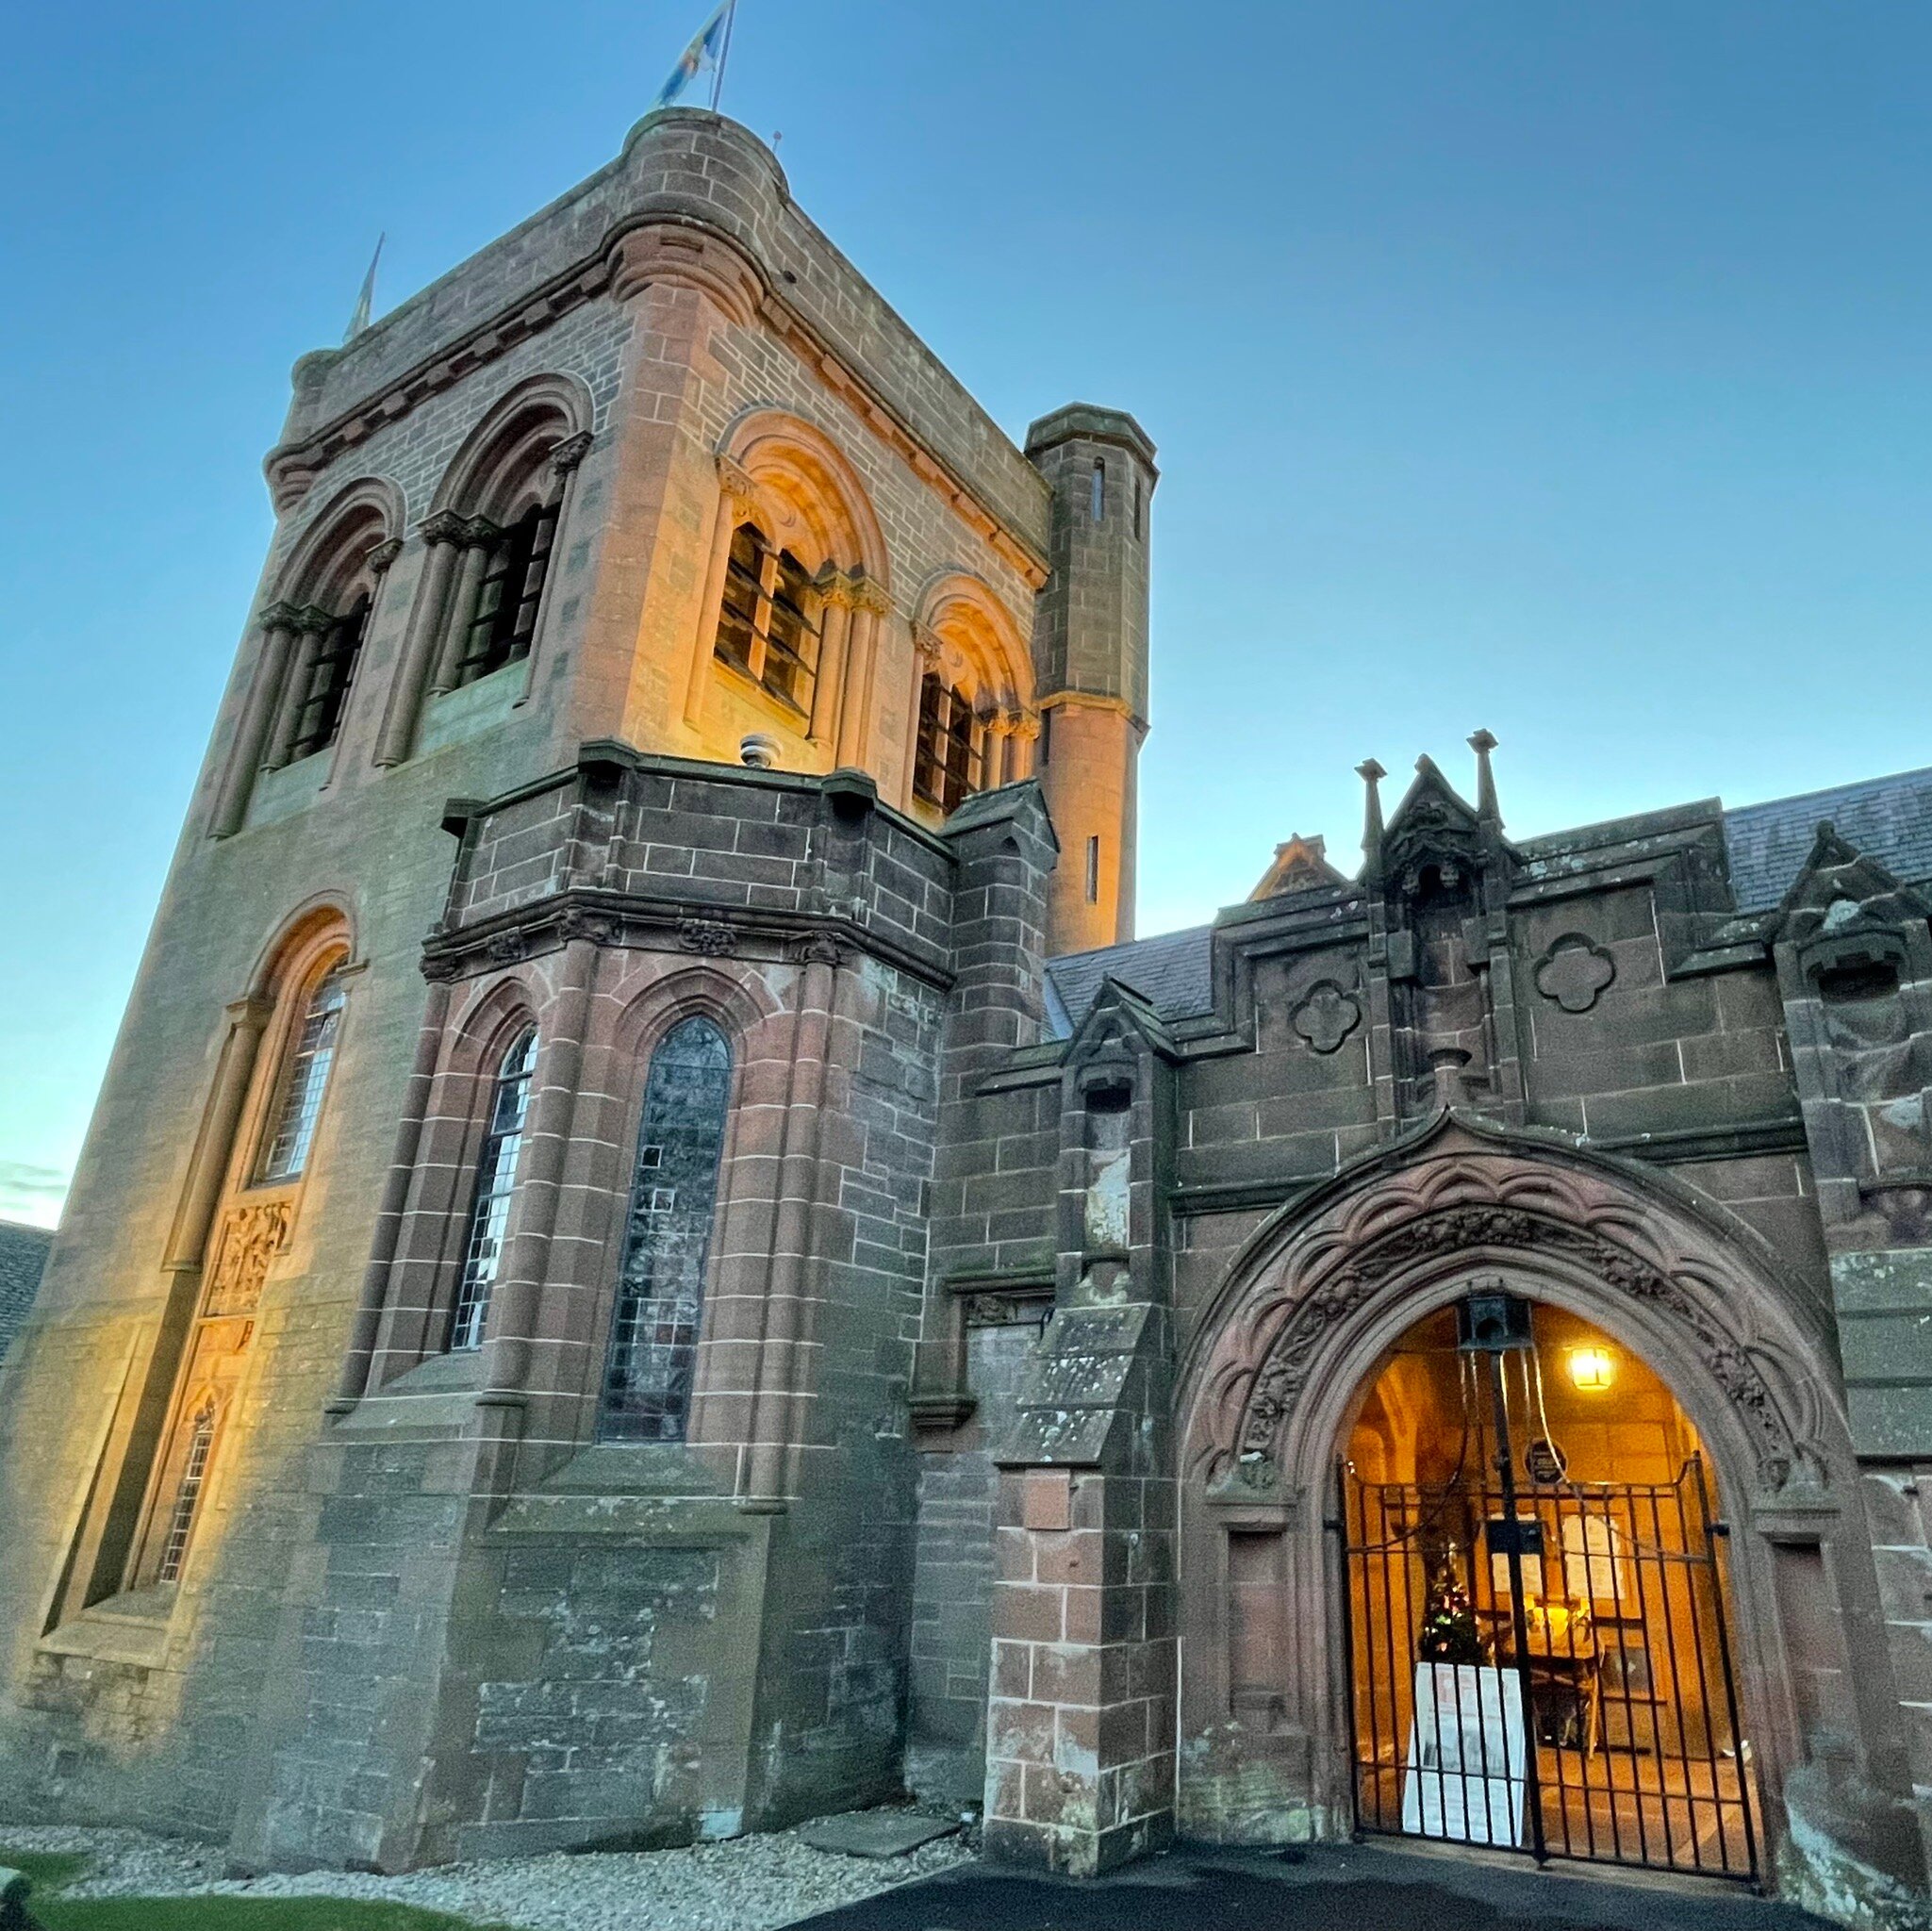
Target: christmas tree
(1448, 1623)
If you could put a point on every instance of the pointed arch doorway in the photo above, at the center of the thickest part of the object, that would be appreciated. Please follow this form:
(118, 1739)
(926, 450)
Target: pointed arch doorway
(1537, 1645)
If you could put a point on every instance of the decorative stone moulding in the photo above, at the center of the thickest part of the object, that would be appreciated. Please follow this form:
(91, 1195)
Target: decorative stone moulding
(1575, 972)
(250, 1237)
(710, 938)
(1326, 1016)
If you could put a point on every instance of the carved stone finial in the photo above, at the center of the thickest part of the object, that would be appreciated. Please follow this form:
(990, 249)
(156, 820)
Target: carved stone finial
(1371, 775)
(1482, 743)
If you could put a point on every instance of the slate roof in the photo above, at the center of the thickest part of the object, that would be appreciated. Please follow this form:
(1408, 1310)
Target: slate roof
(1170, 971)
(1886, 819)
(23, 1255)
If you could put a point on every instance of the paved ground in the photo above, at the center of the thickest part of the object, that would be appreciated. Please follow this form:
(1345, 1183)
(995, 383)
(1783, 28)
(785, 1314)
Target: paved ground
(1329, 1887)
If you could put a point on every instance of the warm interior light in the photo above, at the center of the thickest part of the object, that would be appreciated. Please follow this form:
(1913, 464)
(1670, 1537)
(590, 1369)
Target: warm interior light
(1591, 1369)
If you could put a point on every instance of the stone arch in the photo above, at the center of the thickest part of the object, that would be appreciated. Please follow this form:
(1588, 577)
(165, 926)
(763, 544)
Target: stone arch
(804, 482)
(331, 559)
(503, 465)
(322, 922)
(738, 1004)
(487, 1026)
(977, 639)
(1277, 1368)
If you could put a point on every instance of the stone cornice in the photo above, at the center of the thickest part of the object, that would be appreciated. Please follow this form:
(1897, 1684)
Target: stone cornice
(665, 924)
(634, 255)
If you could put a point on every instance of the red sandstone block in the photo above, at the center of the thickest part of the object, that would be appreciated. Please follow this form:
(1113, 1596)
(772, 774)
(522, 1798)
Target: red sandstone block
(1013, 1556)
(1012, 1671)
(1019, 1732)
(1024, 1615)
(1047, 1499)
(1067, 1673)
(1075, 1557)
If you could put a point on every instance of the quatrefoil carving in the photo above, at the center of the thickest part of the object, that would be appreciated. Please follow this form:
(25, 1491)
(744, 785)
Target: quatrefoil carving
(1327, 1017)
(1573, 972)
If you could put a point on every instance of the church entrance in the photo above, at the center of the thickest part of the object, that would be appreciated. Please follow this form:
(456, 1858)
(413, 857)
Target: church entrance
(1537, 1648)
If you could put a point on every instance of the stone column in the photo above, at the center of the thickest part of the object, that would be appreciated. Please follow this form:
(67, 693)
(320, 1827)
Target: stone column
(925, 658)
(214, 1144)
(368, 1321)
(278, 630)
(831, 692)
(774, 1430)
(480, 537)
(561, 1030)
(566, 459)
(311, 625)
(441, 534)
(1026, 735)
(737, 502)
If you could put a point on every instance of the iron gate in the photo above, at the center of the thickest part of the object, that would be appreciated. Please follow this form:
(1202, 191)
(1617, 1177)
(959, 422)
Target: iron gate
(1546, 1668)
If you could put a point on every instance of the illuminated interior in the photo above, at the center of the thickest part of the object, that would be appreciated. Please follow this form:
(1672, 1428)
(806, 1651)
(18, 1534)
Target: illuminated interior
(1542, 1654)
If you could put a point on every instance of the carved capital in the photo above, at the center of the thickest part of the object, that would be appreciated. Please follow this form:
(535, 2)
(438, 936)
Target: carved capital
(926, 646)
(445, 526)
(816, 949)
(280, 616)
(571, 452)
(836, 590)
(385, 553)
(711, 938)
(1026, 727)
(737, 484)
(600, 928)
(870, 594)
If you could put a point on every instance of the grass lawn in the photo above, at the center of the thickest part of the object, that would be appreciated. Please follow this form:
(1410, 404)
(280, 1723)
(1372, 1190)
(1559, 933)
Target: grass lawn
(49, 1871)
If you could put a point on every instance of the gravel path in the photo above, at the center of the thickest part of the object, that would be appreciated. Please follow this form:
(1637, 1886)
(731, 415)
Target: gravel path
(748, 1884)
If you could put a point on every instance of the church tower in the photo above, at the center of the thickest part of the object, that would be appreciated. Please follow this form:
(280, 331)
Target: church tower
(1090, 645)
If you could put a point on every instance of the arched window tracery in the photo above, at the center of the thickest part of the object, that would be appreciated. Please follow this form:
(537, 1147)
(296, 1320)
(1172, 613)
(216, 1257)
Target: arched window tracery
(660, 1298)
(973, 719)
(304, 1078)
(769, 620)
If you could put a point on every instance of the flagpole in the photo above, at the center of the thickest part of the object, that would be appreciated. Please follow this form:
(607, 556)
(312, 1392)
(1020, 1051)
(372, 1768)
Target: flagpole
(724, 54)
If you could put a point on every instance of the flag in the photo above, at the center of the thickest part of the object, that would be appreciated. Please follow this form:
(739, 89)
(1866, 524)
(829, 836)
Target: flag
(703, 52)
(360, 321)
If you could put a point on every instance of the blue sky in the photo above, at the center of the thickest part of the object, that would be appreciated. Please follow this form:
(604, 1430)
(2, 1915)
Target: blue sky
(1557, 369)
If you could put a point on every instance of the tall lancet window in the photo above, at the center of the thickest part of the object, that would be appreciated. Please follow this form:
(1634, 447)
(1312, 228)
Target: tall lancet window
(194, 1469)
(496, 1182)
(653, 1342)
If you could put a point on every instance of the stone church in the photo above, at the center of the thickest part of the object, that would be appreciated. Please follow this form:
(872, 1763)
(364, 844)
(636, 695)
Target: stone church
(656, 1259)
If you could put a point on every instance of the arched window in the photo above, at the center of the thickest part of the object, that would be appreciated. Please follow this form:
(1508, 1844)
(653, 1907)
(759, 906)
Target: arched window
(768, 625)
(496, 1182)
(194, 1469)
(653, 1342)
(304, 1077)
(510, 594)
(949, 750)
(326, 674)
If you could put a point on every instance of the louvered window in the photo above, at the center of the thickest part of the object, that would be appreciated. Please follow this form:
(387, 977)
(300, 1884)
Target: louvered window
(768, 625)
(510, 595)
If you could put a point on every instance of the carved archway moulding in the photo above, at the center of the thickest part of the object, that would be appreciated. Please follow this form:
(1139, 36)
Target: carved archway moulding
(1326, 1286)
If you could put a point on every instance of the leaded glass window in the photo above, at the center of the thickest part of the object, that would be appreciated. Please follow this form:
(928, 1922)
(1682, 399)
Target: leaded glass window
(496, 1182)
(304, 1082)
(653, 1346)
(194, 1469)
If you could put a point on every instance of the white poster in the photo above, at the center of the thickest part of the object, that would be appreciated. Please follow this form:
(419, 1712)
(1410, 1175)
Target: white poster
(1464, 1775)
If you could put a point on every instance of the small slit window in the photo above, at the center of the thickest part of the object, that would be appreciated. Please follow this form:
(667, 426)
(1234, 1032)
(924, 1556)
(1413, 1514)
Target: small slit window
(496, 1185)
(304, 1082)
(768, 625)
(1098, 507)
(1092, 871)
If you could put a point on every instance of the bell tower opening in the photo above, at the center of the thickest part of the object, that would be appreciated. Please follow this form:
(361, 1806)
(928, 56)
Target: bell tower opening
(1538, 1653)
